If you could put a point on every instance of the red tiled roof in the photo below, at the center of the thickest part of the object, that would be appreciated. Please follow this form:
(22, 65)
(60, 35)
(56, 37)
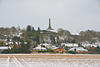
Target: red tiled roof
(59, 48)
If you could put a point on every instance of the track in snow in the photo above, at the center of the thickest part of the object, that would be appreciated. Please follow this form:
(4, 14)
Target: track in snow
(50, 61)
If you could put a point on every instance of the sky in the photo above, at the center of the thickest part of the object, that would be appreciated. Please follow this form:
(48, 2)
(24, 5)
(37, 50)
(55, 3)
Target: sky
(72, 15)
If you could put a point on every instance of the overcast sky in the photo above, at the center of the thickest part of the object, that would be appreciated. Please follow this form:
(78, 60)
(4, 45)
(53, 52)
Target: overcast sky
(72, 15)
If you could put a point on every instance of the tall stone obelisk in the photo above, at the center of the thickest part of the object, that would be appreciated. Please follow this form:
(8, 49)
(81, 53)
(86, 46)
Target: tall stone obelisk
(49, 24)
(49, 28)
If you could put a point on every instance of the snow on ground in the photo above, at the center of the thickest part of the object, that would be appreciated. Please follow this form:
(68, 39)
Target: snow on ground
(13, 60)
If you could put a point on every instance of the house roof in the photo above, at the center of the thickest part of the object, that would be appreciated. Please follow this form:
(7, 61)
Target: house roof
(90, 45)
(40, 48)
(78, 49)
(75, 33)
(70, 44)
(52, 30)
(4, 48)
(45, 44)
(57, 48)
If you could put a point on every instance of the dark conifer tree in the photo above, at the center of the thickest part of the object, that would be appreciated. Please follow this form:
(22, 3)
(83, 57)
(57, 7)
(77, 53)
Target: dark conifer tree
(33, 29)
(37, 38)
(29, 28)
(38, 30)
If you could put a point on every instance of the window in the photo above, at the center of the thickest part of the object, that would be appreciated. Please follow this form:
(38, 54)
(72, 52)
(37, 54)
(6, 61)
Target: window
(57, 49)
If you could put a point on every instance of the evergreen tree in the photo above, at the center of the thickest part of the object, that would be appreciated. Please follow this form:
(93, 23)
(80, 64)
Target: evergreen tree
(8, 39)
(13, 29)
(1, 43)
(18, 38)
(29, 28)
(37, 39)
(38, 29)
(54, 41)
(33, 29)
(58, 41)
(43, 41)
(79, 45)
(28, 44)
(51, 37)
(18, 28)
(73, 41)
(36, 44)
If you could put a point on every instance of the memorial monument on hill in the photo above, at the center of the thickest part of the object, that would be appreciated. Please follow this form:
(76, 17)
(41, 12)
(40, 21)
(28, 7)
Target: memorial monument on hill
(50, 28)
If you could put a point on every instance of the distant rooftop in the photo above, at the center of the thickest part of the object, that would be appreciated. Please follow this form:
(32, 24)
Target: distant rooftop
(74, 33)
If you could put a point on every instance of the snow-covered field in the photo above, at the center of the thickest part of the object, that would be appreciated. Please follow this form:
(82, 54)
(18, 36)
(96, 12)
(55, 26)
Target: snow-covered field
(48, 60)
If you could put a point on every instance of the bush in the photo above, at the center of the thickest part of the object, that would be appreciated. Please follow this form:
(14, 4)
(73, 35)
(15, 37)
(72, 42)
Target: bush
(7, 51)
(44, 51)
(72, 52)
(95, 51)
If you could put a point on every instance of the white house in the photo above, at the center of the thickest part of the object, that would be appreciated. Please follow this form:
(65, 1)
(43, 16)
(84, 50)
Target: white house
(93, 45)
(45, 44)
(70, 44)
(54, 47)
(4, 48)
(90, 45)
(78, 49)
(86, 45)
(9, 43)
(75, 33)
(39, 48)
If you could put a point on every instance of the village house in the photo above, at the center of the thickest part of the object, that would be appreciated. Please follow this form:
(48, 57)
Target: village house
(39, 47)
(58, 49)
(90, 46)
(78, 49)
(17, 44)
(46, 45)
(4, 48)
(69, 44)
